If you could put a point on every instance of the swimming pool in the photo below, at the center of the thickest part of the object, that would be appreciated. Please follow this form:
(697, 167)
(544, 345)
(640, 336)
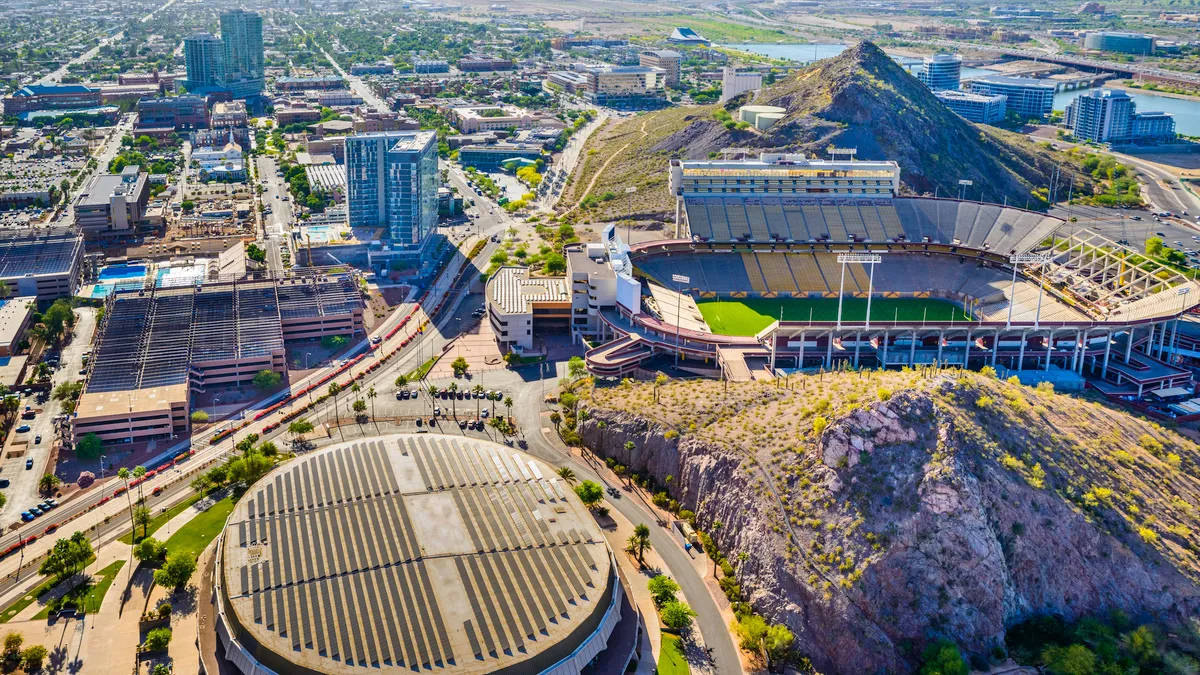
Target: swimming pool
(123, 271)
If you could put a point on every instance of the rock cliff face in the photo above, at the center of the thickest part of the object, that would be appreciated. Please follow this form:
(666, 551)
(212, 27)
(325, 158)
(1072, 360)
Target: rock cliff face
(906, 527)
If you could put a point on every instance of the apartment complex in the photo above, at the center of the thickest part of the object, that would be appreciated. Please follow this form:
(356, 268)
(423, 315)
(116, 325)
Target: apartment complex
(233, 63)
(1028, 97)
(157, 347)
(392, 182)
(668, 60)
(241, 33)
(483, 63)
(981, 108)
(1110, 116)
(203, 56)
(941, 71)
(113, 205)
(430, 66)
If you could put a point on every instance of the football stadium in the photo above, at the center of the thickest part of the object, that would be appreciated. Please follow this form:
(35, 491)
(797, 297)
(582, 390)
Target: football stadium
(785, 262)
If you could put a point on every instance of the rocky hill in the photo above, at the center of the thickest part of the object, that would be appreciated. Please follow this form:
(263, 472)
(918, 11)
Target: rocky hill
(883, 510)
(860, 99)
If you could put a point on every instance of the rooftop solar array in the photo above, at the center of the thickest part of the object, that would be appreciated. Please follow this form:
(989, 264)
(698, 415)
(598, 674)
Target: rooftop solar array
(414, 552)
(36, 252)
(798, 219)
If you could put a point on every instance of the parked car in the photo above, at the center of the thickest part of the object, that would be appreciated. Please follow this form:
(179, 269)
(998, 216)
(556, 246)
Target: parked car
(26, 516)
(37, 440)
(23, 429)
(29, 464)
(3, 482)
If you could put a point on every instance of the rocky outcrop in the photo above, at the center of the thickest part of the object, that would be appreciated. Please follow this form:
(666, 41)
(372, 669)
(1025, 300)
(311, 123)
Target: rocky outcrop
(943, 540)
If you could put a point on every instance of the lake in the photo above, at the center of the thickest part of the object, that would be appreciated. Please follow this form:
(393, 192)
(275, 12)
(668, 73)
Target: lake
(807, 53)
(1186, 111)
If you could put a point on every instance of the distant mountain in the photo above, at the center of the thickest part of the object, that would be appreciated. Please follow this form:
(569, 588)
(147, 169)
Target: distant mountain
(860, 99)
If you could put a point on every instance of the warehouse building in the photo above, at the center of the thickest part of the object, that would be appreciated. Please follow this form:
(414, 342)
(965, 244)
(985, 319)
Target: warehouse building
(156, 347)
(475, 558)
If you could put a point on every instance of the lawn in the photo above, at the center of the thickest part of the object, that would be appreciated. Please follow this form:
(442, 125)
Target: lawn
(191, 539)
(28, 599)
(748, 316)
(88, 595)
(717, 29)
(671, 660)
(159, 520)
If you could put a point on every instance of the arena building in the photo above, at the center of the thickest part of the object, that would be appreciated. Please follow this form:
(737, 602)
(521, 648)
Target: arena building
(767, 275)
(418, 552)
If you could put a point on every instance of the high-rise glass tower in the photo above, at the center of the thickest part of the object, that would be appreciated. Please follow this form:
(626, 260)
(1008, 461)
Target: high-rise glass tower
(392, 182)
(204, 55)
(941, 71)
(241, 33)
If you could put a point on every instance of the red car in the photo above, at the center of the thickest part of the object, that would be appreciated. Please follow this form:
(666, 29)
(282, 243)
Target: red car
(50, 528)
(157, 491)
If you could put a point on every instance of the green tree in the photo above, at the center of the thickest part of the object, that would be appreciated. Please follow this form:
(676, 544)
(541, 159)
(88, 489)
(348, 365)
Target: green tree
(639, 542)
(677, 615)
(142, 517)
(1142, 643)
(1070, 660)
(751, 630)
(267, 379)
(590, 493)
(663, 589)
(565, 473)
(67, 557)
(299, 427)
(401, 381)
(334, 390)
(47, 483)
(201, 484)
(12, 644)
(1154, 247)
(249, 468)
(150, 550)
(124, 473)
(777, 643)
(33, 657)
(158, 638)
(942, 658)
(176, 572)
(576, 367)
(460, 366)
(199, 417)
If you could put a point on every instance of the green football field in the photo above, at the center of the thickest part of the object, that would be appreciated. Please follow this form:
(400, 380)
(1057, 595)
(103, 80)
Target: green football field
(747, 316)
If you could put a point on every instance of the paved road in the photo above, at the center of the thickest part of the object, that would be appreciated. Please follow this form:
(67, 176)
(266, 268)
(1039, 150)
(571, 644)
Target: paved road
(356, 83)
(277, 225)
(22, 492)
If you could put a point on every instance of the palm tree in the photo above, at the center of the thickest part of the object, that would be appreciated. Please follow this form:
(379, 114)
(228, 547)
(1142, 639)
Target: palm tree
(4, 289)
(742, 557)
(371, 397)
(477, 390)
(433, 392)
(123, 474)
(453, 409)
(555, 418)
(508, 403)
(140, 472)
(355, 388)
(334, 390)
(639, 542)
(565, 473)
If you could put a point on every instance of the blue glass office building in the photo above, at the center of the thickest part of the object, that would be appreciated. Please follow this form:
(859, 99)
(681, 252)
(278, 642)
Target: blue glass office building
(392, 182)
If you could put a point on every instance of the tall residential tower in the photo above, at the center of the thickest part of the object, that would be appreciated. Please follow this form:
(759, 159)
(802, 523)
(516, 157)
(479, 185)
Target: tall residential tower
(241, 33)
(204, 56)
(392, 182)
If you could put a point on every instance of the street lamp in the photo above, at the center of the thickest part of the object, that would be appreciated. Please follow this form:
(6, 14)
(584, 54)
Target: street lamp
(1026, 259)
(871, 259)
(216, 400)
(679, 280)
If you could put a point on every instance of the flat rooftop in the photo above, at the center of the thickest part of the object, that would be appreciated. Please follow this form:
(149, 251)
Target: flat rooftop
(106, 185)
(38, 252)
(514, 291)
(13, 312)
(413, 552)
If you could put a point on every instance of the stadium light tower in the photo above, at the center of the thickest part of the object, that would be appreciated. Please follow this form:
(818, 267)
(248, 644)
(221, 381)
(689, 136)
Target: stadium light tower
(962, 188)
(680, 280)
(1026, 259)
(871, 259)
